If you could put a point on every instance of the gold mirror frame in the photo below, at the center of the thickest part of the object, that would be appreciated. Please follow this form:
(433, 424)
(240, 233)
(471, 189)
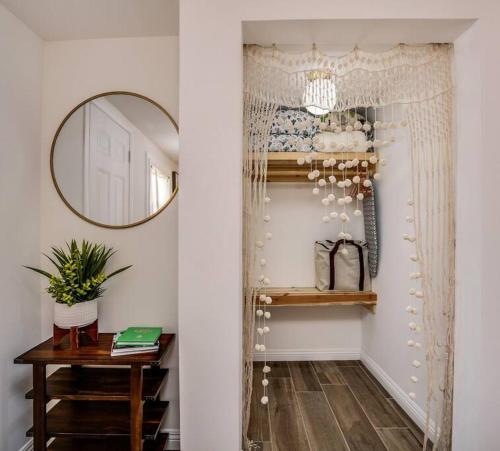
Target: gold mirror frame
(175, 175)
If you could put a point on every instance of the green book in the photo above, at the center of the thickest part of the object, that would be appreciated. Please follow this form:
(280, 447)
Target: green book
(139, 336)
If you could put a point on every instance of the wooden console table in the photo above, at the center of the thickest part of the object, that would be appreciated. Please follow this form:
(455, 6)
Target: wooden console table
(99, 408)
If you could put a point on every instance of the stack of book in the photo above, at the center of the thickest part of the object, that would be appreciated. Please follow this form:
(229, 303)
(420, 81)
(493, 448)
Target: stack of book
(136, 340)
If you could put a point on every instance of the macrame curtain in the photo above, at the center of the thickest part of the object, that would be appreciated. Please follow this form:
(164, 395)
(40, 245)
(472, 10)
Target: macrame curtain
(418, 79)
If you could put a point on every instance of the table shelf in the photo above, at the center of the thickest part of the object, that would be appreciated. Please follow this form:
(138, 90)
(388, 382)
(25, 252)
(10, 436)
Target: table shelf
(99, 407)
(101, 419)
(114, 444)
(100, 384)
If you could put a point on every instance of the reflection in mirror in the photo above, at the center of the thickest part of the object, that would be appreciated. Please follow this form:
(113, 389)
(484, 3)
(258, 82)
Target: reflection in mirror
(115, 158)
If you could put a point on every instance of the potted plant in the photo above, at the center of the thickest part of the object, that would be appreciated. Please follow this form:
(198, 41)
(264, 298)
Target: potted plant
(78, 284)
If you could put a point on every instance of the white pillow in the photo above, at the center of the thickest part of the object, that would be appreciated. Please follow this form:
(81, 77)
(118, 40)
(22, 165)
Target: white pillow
(355, 137)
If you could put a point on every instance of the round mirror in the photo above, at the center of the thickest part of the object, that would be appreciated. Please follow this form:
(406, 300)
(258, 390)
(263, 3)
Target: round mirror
(114, 159)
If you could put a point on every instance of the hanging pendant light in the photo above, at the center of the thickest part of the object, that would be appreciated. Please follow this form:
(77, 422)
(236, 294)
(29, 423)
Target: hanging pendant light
(320, 95)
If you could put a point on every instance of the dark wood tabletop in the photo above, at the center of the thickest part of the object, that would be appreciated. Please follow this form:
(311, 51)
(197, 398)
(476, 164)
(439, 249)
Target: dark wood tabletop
(91, 354)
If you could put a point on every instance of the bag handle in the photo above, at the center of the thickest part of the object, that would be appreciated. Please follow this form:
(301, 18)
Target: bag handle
(361, 264)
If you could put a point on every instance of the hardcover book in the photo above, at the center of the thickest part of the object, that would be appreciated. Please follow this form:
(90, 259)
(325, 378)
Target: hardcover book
(139, 336)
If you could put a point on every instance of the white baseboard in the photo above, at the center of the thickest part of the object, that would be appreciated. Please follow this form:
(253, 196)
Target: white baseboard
(309, 354)
(174, 435)
(414, 411)
(28, 446)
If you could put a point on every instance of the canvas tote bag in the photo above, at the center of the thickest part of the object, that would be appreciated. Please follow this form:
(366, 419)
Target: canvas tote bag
(335, 271)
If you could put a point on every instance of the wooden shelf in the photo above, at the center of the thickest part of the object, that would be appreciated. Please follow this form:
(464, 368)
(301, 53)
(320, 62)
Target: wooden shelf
(101, 419)
(116, 406)
(100, 384)
(115, 444)
(309, 297)
(283, 167)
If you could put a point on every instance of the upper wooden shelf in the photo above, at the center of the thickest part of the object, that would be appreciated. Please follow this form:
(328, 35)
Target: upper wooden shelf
(101, 384)
(283, 167)
(310, 296)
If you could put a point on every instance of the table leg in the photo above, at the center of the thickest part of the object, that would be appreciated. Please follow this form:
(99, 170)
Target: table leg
(136, 408)
(39, 408)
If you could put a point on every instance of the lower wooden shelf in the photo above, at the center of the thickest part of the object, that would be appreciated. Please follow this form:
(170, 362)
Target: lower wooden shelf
(310, 296)
(101, 419)
(114, 444)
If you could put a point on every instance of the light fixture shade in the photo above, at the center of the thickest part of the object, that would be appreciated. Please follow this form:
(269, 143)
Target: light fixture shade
(320, 95)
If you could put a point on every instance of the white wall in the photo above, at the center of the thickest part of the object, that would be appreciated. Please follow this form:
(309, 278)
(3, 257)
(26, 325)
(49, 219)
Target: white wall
(469, 349)
(20, 106)
(147, 293)
(214, 43)
(385, 333)
(210, 227)
(296, 223)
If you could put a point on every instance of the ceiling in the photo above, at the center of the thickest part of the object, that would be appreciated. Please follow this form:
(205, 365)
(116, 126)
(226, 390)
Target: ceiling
(150, 120)
(54, 20)
(343, 34)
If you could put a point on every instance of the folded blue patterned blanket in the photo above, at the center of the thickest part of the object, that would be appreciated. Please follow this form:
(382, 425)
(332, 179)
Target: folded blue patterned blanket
(292, 131)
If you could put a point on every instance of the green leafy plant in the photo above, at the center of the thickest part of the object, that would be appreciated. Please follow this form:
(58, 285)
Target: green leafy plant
(81, 272)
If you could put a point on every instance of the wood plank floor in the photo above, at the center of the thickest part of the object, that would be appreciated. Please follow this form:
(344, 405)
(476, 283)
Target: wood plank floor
(328, 406)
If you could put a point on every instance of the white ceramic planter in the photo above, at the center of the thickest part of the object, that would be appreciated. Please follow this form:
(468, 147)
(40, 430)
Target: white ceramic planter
(81, 314)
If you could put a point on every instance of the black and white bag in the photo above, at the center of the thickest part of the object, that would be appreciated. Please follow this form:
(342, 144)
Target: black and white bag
(336, 270)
